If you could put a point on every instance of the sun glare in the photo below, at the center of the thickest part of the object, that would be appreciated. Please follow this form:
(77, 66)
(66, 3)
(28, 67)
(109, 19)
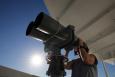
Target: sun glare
(36, 60)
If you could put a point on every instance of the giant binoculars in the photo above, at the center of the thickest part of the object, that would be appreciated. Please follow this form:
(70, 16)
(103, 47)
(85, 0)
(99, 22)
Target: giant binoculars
(55, 37)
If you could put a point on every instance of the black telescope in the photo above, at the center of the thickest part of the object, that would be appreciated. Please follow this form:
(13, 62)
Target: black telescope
(55, 37)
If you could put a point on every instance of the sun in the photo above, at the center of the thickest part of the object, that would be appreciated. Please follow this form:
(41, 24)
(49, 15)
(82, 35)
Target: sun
(36, 60)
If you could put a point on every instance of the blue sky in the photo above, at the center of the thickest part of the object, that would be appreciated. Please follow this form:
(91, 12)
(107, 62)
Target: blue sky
(15, 47)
